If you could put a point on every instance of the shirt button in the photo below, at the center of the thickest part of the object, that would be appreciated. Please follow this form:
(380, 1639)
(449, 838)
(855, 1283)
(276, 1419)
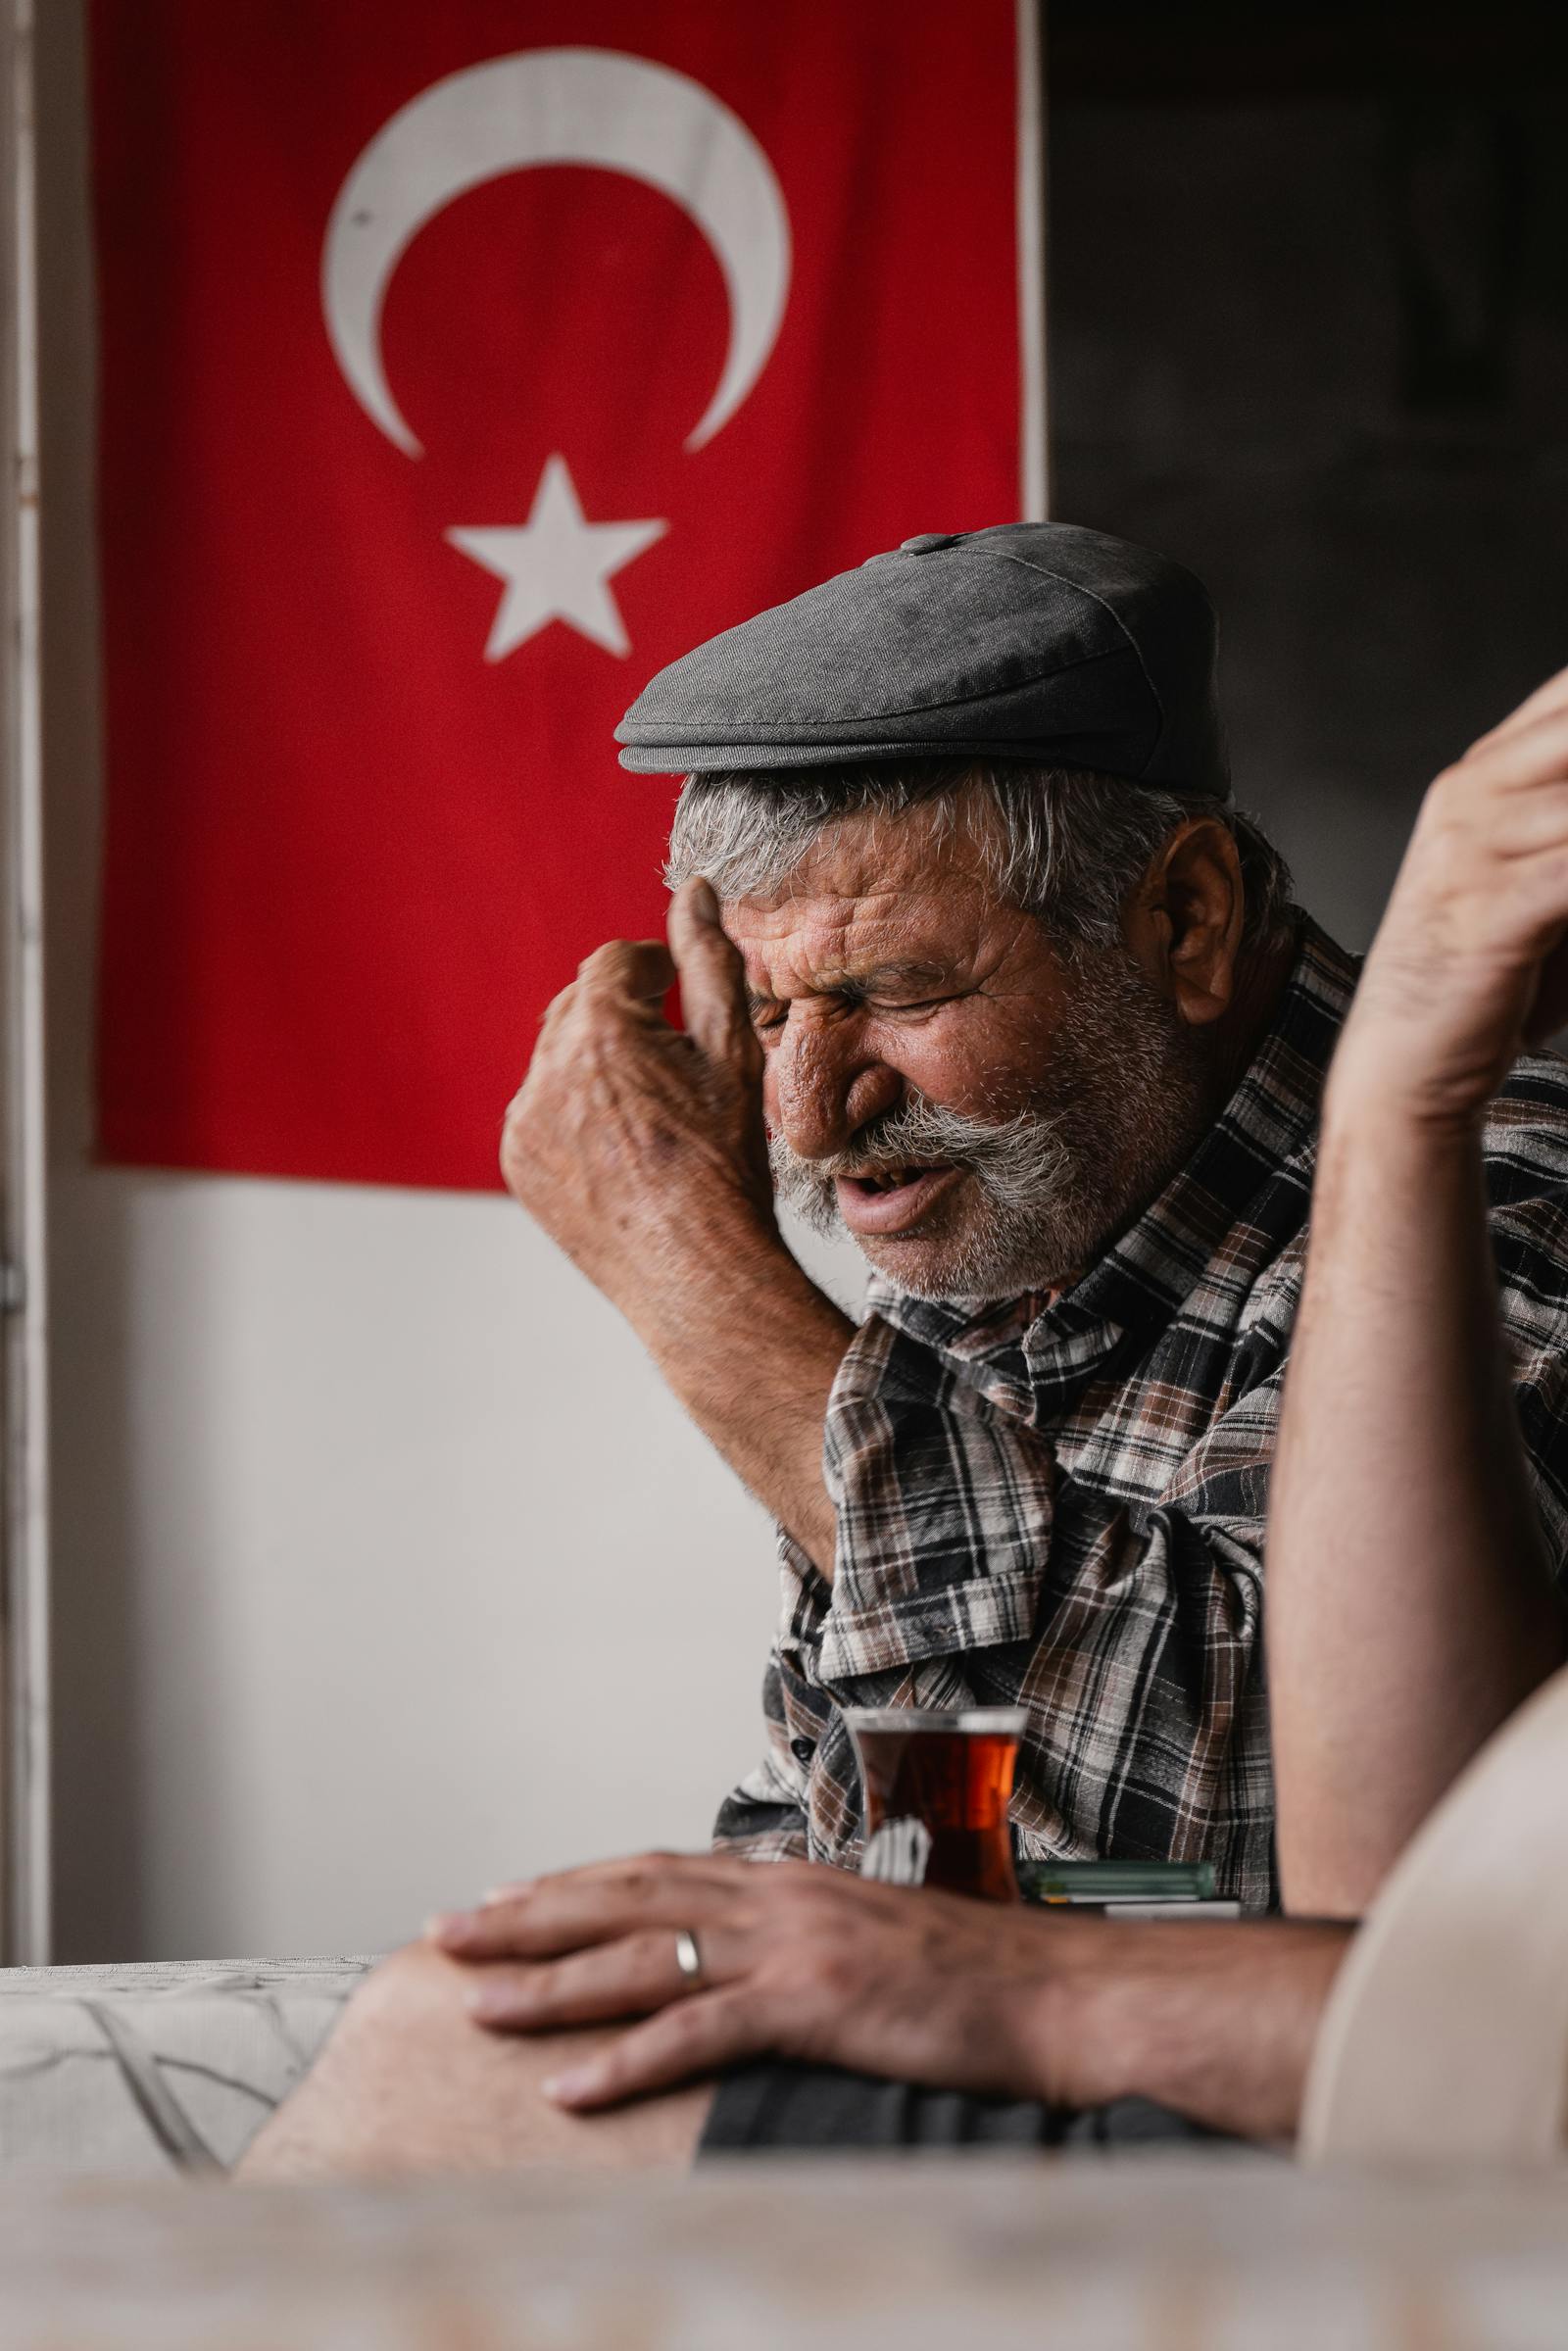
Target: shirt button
(928, 542)
(802, 1749)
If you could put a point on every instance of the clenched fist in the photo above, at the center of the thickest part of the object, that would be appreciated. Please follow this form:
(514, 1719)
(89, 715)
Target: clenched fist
(640, 1148)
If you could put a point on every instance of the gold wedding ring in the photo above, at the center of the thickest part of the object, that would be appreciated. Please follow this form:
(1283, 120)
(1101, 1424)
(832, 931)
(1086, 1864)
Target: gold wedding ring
(688, 1958)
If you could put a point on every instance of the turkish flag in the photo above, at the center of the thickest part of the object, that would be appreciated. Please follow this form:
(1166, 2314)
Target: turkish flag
(460, 367)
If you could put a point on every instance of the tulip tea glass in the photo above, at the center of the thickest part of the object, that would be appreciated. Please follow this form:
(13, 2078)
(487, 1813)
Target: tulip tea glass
(937, 1787)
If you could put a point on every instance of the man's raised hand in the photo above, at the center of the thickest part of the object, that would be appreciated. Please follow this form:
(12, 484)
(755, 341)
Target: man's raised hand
(1470, 962)
(634, 1143)
(713, 991)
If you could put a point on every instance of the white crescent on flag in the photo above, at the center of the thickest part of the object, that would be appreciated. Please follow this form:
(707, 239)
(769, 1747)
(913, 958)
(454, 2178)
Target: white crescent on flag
(599, 108)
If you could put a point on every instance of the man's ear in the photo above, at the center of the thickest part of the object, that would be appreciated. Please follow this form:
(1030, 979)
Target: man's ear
(1184, 920)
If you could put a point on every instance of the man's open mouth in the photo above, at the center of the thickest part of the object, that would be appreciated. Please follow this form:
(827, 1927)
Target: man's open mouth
(889, 1179)
(887, 1200)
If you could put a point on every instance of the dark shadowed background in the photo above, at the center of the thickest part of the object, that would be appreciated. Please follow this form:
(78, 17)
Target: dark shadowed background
(1308, 332)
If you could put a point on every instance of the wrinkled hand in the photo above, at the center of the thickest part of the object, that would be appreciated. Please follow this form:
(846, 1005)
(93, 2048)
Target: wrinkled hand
(631, 1142)
(798, 1960)
(1469, 964)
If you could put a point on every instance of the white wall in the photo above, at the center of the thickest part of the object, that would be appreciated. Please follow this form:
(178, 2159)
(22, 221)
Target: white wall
(419, 1578)
(384, 1566)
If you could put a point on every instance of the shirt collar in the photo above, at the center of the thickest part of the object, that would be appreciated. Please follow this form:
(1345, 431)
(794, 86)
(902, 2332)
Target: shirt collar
(1149, 1272)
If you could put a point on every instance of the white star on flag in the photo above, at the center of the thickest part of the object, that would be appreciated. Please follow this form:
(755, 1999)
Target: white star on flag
(557, 566)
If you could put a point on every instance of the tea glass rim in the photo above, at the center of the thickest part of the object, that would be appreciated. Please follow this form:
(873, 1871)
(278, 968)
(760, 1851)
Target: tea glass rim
(1000, 1722)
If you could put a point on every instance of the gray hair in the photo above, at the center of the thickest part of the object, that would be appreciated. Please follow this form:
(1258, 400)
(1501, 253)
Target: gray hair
(1063, 845)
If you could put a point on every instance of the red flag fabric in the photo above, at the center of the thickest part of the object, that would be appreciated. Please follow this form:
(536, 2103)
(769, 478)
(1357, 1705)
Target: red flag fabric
(460, 368)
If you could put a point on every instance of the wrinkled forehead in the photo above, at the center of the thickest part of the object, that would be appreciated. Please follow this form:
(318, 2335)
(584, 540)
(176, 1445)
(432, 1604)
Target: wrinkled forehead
(821, 941)
(871, 894)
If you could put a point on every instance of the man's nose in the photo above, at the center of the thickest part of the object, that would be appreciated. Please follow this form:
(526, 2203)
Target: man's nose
(824, 1090)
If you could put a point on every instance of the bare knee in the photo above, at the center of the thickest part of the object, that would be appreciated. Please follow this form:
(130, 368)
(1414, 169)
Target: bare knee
(415, 1990)
(408, 2081)
(384, 2044)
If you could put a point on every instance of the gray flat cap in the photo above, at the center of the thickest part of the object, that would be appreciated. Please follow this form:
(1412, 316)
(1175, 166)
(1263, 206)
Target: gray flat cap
(1028, 641)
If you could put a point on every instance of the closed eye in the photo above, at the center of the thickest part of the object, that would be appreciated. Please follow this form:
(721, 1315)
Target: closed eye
(914, 1007)
(766, 1018)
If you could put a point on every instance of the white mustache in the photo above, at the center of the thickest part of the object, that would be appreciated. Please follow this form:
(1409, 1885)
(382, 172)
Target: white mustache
(1021, 1161)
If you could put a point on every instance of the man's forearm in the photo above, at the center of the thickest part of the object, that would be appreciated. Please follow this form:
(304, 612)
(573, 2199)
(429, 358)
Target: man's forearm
(1217, 2021)
(643, 1151)
(1408, 1605)
(751, 1349)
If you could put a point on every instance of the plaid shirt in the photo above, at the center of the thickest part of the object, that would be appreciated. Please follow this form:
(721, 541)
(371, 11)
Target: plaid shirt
(1062, 1505)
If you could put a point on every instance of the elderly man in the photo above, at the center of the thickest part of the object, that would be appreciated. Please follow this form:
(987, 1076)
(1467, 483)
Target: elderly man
(959, 826)
(971, 928)
(1031, 1016)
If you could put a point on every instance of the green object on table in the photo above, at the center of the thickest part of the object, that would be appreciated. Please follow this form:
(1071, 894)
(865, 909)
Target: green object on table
(1116, 1880)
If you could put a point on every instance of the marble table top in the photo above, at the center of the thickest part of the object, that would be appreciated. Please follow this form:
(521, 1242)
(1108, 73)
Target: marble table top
(1172, 2253)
